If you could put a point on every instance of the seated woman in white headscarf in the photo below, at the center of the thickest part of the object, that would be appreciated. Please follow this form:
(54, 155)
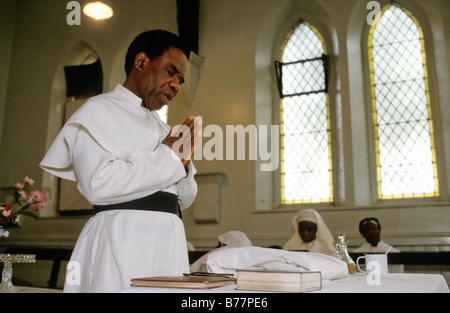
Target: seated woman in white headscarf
(230, 239)
(311, 234)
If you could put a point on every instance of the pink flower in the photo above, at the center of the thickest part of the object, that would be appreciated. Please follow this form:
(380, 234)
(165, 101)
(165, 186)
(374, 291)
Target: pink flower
(22, 193)
(19, 186)
(29, 180)
(37, 199)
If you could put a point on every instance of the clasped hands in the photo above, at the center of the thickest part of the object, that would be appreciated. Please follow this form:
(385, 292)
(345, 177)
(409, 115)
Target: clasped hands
(183, 138)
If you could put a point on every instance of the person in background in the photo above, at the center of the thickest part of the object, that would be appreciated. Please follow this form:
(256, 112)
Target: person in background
(311, 234)
(230, 239)
(370, 228)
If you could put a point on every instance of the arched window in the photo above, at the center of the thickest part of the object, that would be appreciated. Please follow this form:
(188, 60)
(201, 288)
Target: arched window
(306, 175)
(401, 108)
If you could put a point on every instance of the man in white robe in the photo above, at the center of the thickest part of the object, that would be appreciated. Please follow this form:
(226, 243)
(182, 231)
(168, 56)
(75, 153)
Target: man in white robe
(370, 228)
(127, 164)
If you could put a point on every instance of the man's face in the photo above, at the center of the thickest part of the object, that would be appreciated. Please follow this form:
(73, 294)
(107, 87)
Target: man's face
(160, 79)
(371, 232)
(307, 230)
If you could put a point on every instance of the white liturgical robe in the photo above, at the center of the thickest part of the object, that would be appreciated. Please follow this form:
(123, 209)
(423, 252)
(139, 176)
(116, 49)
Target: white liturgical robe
(112, 147)
(381, 247)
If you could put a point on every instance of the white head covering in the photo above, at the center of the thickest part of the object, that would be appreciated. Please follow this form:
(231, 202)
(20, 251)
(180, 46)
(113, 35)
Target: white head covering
(230, 239)
(235, 238)
(324, 240)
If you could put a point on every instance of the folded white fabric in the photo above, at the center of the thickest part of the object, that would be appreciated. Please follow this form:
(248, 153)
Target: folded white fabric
(258, 258)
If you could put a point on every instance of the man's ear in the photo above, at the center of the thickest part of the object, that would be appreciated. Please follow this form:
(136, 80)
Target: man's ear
(140, 61)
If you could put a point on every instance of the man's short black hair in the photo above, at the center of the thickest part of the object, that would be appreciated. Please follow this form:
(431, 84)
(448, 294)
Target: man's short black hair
(153, 43)
(371, 219)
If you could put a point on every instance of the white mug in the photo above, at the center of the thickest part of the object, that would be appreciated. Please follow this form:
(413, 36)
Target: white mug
(376, 264)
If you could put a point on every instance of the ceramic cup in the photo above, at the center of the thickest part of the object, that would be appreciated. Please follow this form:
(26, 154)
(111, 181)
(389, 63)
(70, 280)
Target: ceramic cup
(375, 264)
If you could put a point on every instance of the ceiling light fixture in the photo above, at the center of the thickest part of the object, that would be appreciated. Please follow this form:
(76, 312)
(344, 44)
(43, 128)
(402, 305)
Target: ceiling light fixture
(98, 10)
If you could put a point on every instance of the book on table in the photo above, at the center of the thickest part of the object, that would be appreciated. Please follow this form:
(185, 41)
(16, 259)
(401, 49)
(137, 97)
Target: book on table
(191, 282)
(263, 280)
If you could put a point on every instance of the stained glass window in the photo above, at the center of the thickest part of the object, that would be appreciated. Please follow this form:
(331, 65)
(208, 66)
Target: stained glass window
(403, 126)
(306, 175)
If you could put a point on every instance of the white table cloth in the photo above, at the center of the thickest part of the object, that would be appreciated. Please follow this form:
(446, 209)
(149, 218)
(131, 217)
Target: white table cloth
(391, 283)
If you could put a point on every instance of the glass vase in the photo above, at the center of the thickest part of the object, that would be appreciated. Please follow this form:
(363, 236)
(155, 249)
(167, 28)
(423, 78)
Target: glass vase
(6, 286)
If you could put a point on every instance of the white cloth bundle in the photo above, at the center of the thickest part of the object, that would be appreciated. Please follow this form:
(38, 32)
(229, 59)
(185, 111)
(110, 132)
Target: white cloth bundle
(230, 239)
(258, 258)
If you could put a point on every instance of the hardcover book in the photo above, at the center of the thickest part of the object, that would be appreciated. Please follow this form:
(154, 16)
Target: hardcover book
(278, 281)
(192, 282)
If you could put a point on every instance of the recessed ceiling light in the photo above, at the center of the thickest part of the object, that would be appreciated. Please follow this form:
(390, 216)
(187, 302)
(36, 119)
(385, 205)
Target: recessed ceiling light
(98, 10)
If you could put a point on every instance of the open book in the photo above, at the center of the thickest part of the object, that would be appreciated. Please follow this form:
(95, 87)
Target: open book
(192, 282)
(278, 281)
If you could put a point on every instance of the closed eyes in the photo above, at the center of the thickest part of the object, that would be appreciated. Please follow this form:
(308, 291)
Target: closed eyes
(173, 72)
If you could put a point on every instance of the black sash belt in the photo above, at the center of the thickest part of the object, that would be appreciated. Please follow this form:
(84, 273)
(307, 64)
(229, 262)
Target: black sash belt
(159, 201)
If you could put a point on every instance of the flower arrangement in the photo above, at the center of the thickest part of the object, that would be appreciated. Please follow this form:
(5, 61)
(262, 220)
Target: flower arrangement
(20, 204)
